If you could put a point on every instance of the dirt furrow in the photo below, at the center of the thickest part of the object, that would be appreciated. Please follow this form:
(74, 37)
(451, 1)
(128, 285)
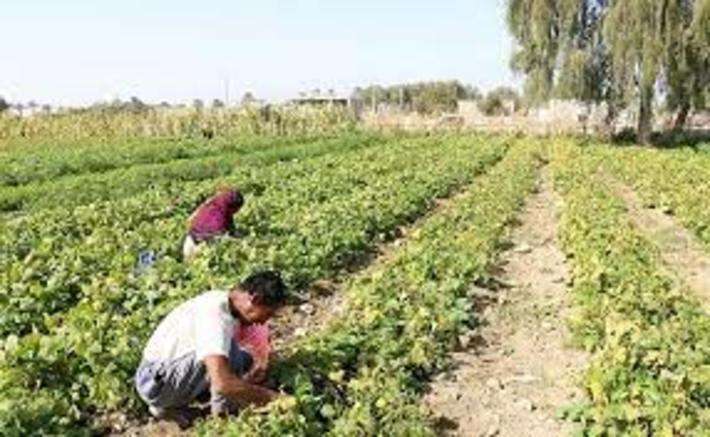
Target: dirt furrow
(519, 368)
(682, 253)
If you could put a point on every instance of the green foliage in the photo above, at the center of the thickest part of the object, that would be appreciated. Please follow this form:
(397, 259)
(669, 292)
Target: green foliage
(423, 97)
(34, 161)
(650, 342)
(45, 275)
(129, 181)
(686, 54)
(363, 375)
(677, 182)
(78, 363)
(75, 313)
(615, 51)
(500, 101)
(535, 27)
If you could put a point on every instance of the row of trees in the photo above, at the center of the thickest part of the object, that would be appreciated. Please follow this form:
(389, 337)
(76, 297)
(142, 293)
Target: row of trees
(438, 97)
(625, 53)
(134, 104)
(423, 97)
(31, 105)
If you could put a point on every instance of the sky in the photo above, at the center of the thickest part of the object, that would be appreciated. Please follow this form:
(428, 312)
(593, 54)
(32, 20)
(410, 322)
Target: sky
(75, 52)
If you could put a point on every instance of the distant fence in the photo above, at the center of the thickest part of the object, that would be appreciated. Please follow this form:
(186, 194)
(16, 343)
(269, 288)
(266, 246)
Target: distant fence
(558, 117)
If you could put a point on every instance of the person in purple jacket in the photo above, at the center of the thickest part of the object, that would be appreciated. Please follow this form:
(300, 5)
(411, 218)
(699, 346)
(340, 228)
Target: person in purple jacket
(213, 218)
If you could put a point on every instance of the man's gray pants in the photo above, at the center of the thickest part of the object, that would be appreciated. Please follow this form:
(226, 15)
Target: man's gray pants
(176, 383)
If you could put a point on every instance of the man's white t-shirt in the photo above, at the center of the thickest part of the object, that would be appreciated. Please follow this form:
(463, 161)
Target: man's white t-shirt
(202, 325)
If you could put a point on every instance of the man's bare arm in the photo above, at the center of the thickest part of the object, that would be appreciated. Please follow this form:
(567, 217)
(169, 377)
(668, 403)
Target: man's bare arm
(237, 390)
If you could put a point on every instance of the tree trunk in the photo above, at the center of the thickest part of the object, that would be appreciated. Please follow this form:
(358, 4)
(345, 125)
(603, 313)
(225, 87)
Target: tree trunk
(682, 117)
(609, 120)
(645, 120)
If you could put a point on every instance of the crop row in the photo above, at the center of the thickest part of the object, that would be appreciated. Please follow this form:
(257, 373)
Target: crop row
(39, 161)
(363, 374)
(677, 182)
(52, 259)
(38, 229)
(49, 281)
(49, 261)
(73, 191)
(82, 366)
(650, 342)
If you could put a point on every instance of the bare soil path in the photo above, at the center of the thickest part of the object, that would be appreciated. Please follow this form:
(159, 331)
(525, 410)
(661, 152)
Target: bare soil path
(521, 367)
(682, 253)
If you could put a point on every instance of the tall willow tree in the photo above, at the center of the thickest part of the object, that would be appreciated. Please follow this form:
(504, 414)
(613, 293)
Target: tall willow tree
(623, 52)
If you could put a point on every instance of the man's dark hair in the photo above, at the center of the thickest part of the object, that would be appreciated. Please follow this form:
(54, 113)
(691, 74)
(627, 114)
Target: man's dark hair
(234, 198)
(266, 287)
(238, 199)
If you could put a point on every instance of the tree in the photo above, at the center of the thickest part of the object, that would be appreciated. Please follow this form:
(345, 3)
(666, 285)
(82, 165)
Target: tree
(500, 101)
(472, 93)
(687, 56)
(356, 93)
(4, 105)
(423, 97)
(617, 51)
(135, 105)
(248, 98)
(198, 104)
(217, 103)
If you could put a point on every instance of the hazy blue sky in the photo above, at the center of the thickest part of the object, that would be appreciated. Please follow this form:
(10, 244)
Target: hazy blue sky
(78, 51)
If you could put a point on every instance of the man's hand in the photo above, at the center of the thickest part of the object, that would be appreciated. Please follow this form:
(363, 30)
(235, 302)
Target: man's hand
(259, 396)
(237, 390)
(257, 374)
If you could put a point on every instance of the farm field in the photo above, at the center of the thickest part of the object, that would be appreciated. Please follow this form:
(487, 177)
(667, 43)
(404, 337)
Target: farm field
(415, 236)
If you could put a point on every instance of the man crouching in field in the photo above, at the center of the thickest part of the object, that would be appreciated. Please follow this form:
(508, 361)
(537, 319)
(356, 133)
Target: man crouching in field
(194, 351)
